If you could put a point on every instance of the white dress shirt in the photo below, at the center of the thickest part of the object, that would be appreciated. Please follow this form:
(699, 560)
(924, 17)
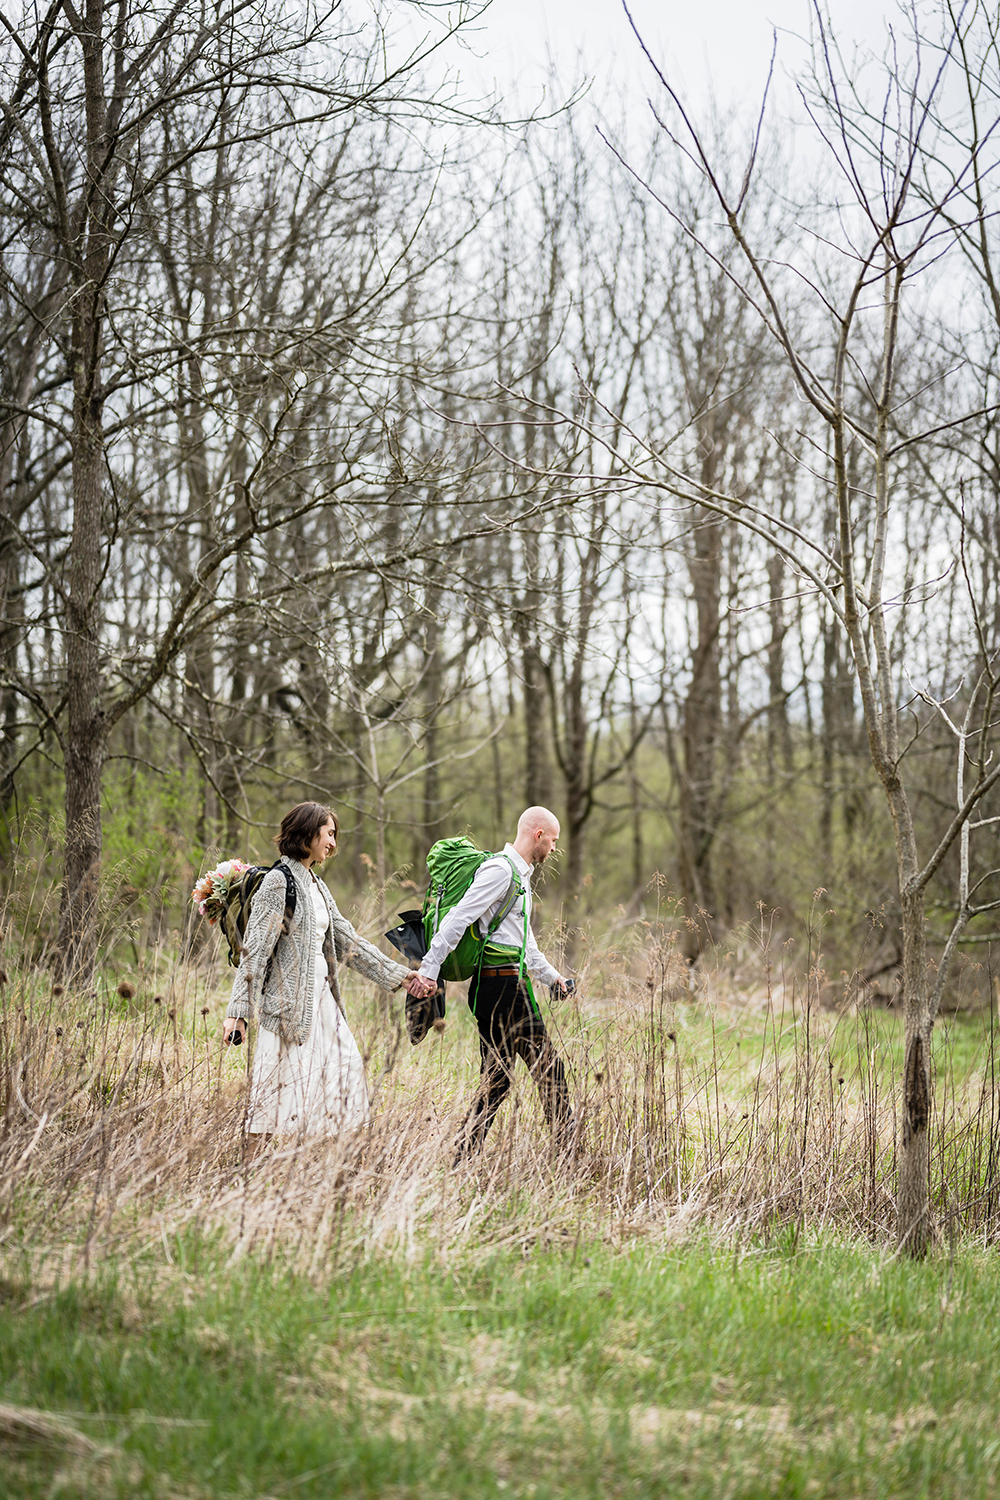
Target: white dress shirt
(480, 903)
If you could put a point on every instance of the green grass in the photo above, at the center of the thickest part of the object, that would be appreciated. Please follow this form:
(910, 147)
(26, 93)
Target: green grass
(703, 1302)
(567, 1370)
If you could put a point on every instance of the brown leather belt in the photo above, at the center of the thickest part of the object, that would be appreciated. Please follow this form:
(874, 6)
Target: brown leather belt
(508, 972)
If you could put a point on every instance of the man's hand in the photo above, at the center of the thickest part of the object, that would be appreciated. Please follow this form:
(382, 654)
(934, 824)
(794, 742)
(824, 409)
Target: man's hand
(561, 988)
(420, 987)
(234, 1029)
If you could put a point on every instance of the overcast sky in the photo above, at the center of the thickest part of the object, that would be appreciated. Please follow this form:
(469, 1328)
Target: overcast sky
(723, 43)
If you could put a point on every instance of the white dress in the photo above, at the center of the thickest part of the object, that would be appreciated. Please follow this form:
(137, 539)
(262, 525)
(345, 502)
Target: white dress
(317, 1088)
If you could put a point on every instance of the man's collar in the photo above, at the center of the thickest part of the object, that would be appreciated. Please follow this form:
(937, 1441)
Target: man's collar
(521, 865)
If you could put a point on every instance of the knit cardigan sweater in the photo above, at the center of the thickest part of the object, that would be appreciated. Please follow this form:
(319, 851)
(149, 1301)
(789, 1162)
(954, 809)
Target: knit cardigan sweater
(285, 1004)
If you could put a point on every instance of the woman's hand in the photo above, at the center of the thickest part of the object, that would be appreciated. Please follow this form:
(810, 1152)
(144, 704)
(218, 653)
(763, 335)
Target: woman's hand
(420, 987)
(234, 1030)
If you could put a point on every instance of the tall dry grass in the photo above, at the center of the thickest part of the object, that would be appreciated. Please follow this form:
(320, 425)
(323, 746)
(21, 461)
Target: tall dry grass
(743, 1104)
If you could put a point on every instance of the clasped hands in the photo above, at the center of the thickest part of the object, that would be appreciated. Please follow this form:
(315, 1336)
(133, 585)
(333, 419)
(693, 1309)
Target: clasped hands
(421, 988)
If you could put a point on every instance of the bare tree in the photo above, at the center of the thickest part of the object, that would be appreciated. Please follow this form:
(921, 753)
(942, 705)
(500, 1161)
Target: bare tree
(105, 111)
(565, 587)
(720, 394)
(867, 249)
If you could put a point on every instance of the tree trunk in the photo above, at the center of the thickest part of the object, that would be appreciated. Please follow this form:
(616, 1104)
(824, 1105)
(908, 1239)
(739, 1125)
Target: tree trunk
(85, 734)
(914, 1221)
(85, 745)
(636, 817)
(432, 696)
(11, 624)
(779, 735)
(20, 364)
(537, 771)
(700, 725)
(828, 741)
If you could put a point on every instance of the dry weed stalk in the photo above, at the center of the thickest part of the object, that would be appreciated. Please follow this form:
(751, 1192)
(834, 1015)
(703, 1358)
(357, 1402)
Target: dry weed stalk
(121, 1119)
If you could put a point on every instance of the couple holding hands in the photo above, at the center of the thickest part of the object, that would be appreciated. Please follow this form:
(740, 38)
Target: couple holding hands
(308, 1074)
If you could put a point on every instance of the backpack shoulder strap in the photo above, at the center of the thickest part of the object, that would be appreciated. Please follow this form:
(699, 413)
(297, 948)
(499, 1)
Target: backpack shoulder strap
(514, 891)
(291, 894)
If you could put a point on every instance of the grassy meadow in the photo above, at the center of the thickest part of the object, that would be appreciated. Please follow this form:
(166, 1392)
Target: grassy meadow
(701, 1299)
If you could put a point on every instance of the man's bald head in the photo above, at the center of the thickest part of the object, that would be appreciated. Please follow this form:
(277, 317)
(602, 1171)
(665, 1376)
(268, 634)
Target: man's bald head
(537, 832)
(534, 818)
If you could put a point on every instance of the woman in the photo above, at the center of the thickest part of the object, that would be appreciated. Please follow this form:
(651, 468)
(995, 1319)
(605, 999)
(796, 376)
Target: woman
(308, 1076)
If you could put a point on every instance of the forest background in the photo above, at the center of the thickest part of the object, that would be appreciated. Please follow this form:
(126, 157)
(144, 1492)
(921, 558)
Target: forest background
(323, 398)
(361, 442)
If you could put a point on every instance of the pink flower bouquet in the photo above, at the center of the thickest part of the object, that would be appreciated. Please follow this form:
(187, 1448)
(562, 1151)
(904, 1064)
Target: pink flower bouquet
(211, 893)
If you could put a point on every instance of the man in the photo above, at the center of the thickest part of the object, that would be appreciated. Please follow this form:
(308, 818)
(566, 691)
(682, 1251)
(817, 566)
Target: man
(509, 1020)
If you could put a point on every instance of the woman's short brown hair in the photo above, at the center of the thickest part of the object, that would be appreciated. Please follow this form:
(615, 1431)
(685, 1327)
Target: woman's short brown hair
(300, 826)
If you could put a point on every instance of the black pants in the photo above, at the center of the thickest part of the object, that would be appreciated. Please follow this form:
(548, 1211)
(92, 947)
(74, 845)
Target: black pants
(510, 1028)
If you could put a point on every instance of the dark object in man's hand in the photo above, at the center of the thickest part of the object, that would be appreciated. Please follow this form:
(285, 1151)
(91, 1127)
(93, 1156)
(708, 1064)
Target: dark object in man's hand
(562, 991)
(425, 1014)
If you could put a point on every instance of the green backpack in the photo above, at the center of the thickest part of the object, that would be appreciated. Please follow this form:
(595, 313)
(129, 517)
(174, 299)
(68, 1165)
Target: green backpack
(452, 865)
